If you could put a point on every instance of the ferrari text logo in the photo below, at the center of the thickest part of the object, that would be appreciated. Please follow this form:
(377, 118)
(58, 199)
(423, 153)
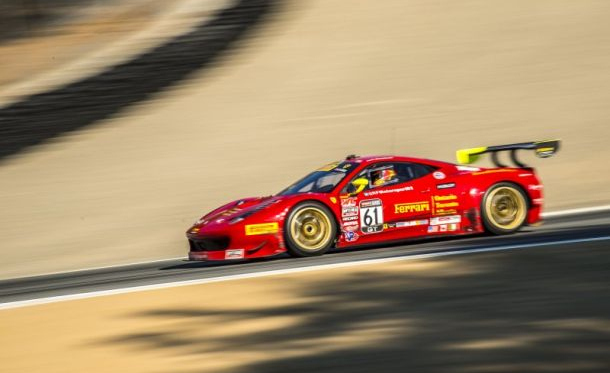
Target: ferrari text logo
(405, 208)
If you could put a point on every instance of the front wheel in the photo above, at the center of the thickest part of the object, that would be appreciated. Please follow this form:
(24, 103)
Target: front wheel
(310, 229)
(504, 208)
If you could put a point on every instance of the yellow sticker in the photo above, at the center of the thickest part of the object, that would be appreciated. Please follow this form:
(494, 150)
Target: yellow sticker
(449, 197)
(439, 205)
(333, 200)
(264, 228)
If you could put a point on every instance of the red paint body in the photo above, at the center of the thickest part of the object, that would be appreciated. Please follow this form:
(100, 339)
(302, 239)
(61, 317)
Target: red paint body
(452, 194)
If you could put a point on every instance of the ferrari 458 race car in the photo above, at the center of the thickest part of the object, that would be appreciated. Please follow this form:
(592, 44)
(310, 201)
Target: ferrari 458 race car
(373, 200)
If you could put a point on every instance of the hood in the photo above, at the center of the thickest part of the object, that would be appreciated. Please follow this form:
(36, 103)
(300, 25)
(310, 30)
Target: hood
(239, 210)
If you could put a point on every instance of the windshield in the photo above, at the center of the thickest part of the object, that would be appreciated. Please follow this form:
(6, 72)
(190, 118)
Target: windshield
(323, 180)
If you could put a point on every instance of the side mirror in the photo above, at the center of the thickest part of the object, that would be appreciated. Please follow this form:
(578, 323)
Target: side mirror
(358, 185)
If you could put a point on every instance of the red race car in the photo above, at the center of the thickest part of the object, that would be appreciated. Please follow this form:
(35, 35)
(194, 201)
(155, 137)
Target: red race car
(374, 200)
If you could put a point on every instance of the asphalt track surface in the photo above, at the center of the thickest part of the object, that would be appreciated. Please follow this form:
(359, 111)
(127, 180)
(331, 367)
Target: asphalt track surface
(576, 232)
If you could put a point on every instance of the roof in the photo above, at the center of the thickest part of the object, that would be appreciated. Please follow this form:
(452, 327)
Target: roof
(397, 158)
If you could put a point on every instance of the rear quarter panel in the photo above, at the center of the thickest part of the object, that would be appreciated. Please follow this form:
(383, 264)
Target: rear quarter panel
(478, 182)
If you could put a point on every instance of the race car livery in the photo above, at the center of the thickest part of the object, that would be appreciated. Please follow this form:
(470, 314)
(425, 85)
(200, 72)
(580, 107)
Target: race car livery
(375, 200)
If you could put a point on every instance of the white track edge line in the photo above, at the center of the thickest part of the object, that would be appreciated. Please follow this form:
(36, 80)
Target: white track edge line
(576, 211)
(552, 214)
(93, 294)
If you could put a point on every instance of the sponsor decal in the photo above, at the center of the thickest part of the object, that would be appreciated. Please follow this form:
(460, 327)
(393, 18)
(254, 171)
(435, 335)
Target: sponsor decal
(445, 205)
(349, 207)
(349, 211)
(198, 255)
(350, 218)
(370, 203)
(453, 227)
(443, 228)
(350, 228)
(234, 254)
(438, 175)
(389, 225)
(343, 167)
(351, 236)
(388, 191)
(371, 216)
(411, 223)
(445, 186)
(328, 167)
(333, 200)
(348, 201)
(447, 197)
(445, 220)
(432, 228)
(467, 168)
(411, 207)
(445, 212)
(264, 228)
(350, 223)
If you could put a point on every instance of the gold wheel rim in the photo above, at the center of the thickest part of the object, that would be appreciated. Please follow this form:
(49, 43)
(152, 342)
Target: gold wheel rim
(505, 207)
(310, 228)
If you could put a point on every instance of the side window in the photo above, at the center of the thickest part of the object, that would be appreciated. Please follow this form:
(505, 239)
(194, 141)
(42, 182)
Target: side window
(410, 171)
(386, 174)
(383, 175)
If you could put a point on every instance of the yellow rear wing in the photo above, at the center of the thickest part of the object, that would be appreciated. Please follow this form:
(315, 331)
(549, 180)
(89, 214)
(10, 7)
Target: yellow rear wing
(543, 149)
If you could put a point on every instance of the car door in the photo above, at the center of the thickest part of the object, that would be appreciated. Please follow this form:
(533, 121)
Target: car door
(394, 204)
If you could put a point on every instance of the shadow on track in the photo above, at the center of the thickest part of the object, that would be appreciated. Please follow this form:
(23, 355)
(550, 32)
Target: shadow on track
(532, 311)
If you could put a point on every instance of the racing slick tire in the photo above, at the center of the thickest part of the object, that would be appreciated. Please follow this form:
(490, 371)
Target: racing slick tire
(310, 229)
(504, 208)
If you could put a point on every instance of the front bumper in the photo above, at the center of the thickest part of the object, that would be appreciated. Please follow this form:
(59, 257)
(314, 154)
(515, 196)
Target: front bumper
(234, 248)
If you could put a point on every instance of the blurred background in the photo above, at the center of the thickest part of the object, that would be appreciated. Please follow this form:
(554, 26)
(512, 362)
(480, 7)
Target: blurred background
(124, 121)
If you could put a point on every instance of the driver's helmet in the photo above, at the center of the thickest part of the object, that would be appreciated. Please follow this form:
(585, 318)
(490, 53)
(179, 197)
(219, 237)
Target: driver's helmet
(381, 177)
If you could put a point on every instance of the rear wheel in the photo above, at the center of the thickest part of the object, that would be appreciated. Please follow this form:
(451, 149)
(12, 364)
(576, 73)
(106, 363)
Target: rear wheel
(504, 208)
(310, 229)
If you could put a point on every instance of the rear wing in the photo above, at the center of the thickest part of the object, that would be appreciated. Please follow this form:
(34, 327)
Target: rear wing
(543, 149)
